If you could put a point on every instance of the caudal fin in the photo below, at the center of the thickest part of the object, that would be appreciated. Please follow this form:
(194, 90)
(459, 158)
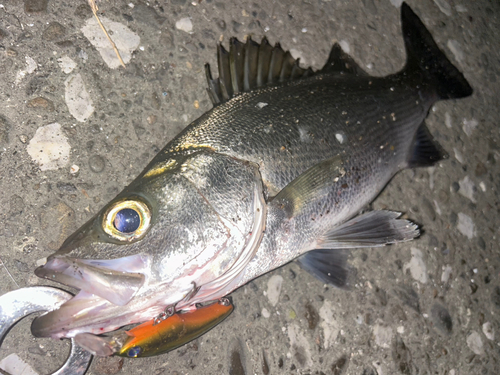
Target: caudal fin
(424, 56)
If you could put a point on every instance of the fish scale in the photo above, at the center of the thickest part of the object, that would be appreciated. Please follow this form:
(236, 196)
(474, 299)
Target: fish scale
(319, 108)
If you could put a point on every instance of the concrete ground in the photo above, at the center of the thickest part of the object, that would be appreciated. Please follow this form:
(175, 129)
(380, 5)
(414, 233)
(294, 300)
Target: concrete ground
(427, 307)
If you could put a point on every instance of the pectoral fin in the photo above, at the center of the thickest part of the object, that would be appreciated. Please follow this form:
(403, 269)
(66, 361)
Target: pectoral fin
(310, 185)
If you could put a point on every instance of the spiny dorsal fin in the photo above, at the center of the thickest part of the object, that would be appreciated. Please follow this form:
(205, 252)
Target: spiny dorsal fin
(250, 65)
(340, 62)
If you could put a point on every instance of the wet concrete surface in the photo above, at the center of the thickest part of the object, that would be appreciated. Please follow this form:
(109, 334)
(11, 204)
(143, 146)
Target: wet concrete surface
(430, 306)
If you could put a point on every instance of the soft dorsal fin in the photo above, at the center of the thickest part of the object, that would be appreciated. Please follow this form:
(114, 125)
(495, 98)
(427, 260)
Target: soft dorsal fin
(340, 62)
(250, 65)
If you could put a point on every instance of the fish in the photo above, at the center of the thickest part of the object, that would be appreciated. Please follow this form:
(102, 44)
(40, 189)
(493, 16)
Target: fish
(281, 168)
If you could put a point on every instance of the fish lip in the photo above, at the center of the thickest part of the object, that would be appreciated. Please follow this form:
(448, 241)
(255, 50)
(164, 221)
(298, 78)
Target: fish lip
(105, 279)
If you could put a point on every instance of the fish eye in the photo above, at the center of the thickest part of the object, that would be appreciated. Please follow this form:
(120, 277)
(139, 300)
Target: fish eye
(127, 220)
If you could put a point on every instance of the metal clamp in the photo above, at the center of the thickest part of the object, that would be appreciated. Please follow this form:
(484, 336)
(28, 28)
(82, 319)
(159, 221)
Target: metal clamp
(19, 303)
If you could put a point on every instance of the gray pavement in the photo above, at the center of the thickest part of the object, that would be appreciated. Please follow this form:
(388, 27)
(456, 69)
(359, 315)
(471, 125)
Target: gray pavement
(427, 307)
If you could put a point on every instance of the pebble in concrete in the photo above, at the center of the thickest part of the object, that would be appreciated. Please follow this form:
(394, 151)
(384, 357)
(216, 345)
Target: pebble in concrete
(67, 64)
(12, 364)
(417, 266)
(300, 346)
(467, 188)
(475, 343)
(77, 98)
(126, 40)
(274, 289)
(466, 226)
(383, 335)
(97, 163)
(330, 325)
(489, 331)
(49, 147)
(185, 25)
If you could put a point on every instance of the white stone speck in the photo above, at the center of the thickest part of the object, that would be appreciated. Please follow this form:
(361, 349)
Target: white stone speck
(31, 66)
(482, 185)
(443, 6)
(489, 331)
(378, 367)
(77, 98)
(438, 209)
(131, 5)
(41, 262)
(467, 188)
(304, 135)
(67, 64)
(261, 105)
(304, 30)
(416, 265)
(126, 40)
(74, 169)
(345, 46)
(383, 335)
(274, 289)
(400, 330)
(13, 364)
(49, 148)
(184, 24)
(330, 325)
(469, 126)
(397, 3)
(465, 225)
(445, 276)
(340, 137)
(475, 343)
(456, 49)
(447, 120)
(83, 55)
(458, 155)
(265, 313)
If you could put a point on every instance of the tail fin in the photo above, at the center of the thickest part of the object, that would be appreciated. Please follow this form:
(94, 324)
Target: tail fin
(423, 55)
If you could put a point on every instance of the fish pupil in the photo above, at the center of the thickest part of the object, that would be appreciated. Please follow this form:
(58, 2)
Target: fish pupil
(127, 220)
(134, 352)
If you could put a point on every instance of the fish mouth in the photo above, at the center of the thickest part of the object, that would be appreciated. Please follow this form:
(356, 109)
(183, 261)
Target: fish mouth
(108, 279)
(105, 287)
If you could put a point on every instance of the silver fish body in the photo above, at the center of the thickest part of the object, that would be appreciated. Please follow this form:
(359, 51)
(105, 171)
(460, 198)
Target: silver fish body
(269, 174)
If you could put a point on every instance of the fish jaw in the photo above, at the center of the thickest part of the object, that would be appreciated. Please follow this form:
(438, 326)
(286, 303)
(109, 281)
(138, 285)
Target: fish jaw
(106, 279)
(89, 313)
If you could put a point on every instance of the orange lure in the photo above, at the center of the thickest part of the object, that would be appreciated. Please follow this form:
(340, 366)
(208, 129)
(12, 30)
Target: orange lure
(150, 339)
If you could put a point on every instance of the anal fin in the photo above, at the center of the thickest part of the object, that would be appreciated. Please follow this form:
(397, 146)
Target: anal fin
(425, 151)
(328, 262)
